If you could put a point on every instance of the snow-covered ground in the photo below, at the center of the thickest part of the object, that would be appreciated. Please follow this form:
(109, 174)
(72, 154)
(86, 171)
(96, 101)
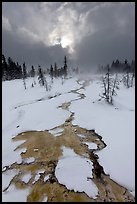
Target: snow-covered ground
(15, 195)
(36, 109)
(90, 145)
(116, 124)
(75, 172)
(26, 177)
(22, 111)
(30, 109)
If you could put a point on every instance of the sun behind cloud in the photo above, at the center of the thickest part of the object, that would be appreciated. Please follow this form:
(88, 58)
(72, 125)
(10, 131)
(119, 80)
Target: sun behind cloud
(64, 42)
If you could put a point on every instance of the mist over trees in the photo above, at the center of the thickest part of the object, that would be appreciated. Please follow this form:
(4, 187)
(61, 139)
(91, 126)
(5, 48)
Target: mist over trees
(118, 67)
(13, 70)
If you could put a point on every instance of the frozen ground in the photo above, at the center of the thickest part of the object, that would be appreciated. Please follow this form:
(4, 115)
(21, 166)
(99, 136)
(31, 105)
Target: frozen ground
(116, 124)
(36, 109)
(22, 111)
(30, 109)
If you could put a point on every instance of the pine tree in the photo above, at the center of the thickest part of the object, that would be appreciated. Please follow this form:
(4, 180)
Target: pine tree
(4, 68)
(11, 70)
(65, 66)
(55, 70)
(24, 71)
(23, 78)
(24, 75)
(51, 73)
(18, 71)
(41, 78)
(32, 72)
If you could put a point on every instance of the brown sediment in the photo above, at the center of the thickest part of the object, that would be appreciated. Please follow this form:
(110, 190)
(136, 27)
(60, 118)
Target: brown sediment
(46, 158)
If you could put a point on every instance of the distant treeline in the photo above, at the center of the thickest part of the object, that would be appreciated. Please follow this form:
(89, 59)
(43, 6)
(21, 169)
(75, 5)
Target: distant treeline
(13, 70)
(118, 67)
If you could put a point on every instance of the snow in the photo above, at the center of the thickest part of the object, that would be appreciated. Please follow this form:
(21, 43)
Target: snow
(133, 193)
(81, 135)
(41, 171)
(8, 144)
(56, 132)
(34, 109)
(26, 177)
(37, 176)
(36, 149)
(45, 199)
(46, 177)
(73, 171)
(90, 145)
(4, 168)
(15, 195)
(30, 110)
(116, 124)
(19, 161)
(23, 111)
(21, 150)
(81, 81)
(29, 160)
(7, 177)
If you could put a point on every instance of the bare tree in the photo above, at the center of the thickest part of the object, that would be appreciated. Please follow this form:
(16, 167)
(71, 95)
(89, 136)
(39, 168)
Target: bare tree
(24, 83)
(132, 79)
(128, 79)
(24, 75)
(115, 85)
(109, 86)
(32, 74)
(62, 80)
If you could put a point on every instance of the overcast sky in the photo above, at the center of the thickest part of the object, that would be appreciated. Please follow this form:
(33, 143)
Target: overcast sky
(89, 33)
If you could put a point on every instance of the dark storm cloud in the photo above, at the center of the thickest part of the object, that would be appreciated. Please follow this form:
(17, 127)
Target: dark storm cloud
(32, 53)
(90, 33)
(104, 50)
(114, 36)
